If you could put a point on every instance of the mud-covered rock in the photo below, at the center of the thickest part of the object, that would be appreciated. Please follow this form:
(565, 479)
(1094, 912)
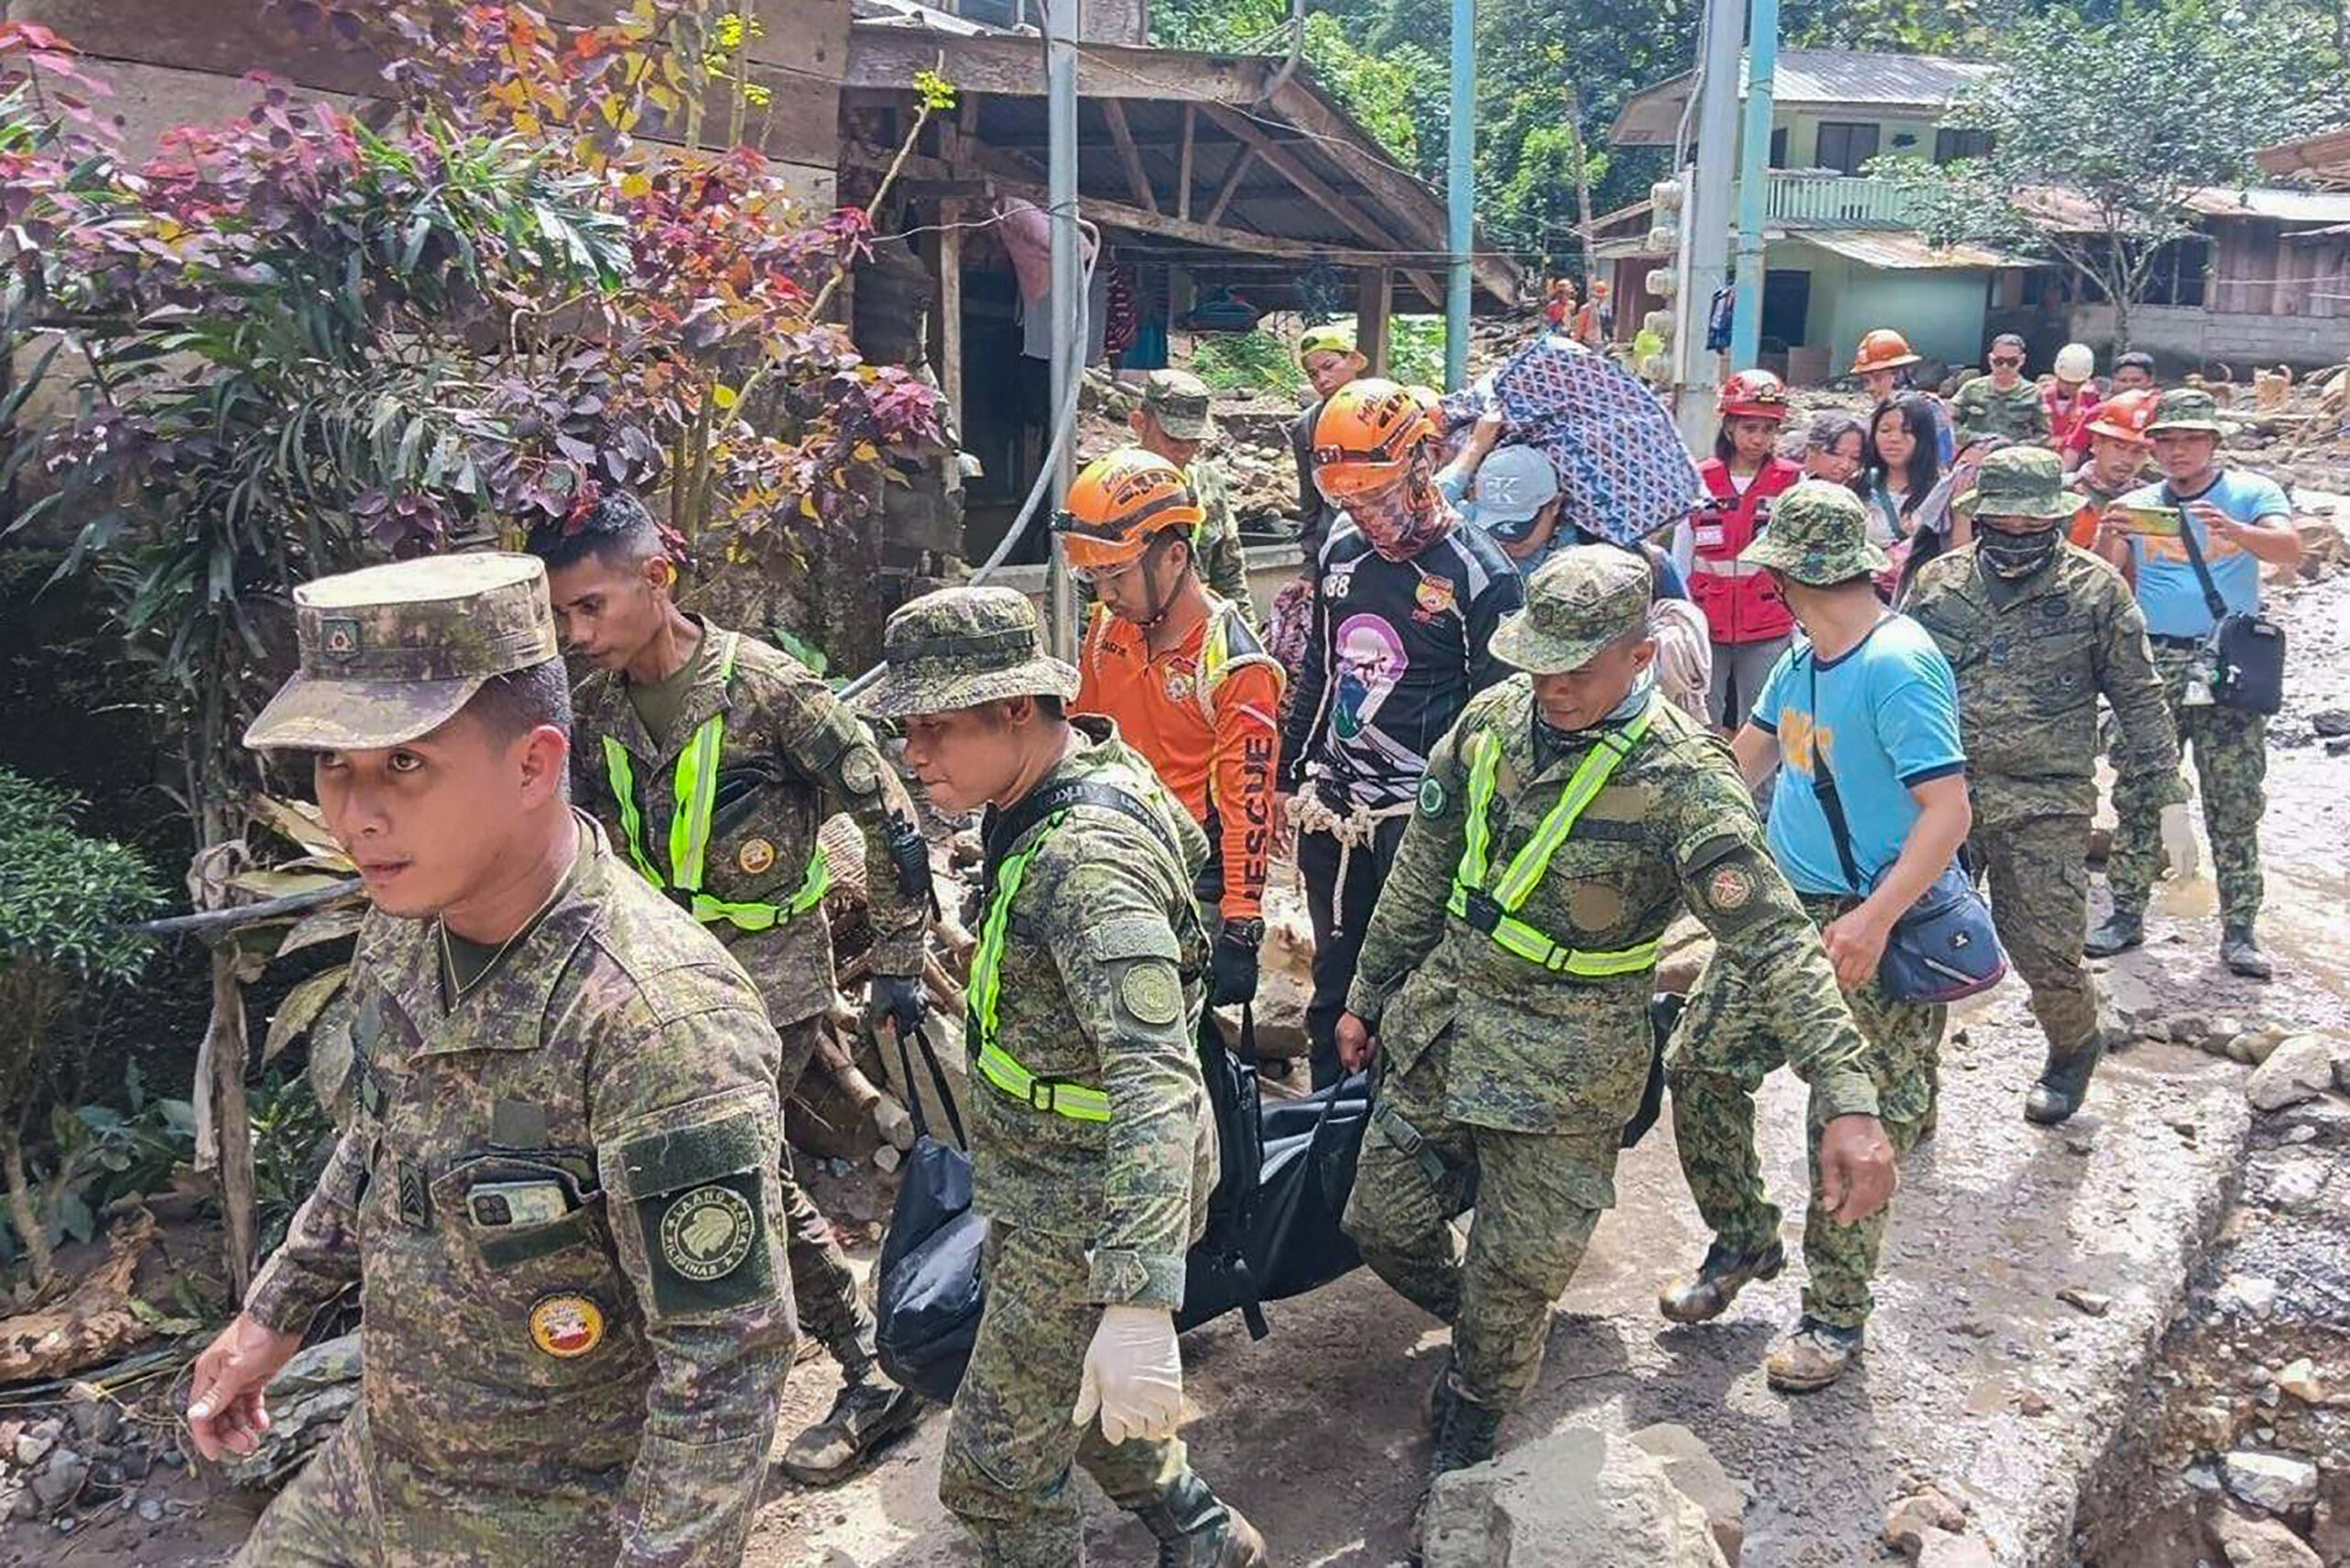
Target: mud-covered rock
(2299, 1069)
(2273, 1483)
(2248, 1541)
(1578, 1497)
(1691, 1465)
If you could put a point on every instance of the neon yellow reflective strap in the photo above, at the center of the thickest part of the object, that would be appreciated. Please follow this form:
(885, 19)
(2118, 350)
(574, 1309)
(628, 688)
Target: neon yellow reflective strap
(1076, 1101)
(696, 789)
(1470, 902)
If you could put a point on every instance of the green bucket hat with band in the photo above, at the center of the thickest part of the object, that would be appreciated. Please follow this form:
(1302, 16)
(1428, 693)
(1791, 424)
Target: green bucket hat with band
(1178, 401)
(961, 646)
(2022, 481)
(1577, 602)
(1817, 534)
(2187, 409)
(391, 652)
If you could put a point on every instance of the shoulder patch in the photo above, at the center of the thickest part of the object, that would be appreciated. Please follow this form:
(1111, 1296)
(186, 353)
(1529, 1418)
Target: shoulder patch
(1431, 796)
(705, 1233)
(861, 771)
(1151, 993)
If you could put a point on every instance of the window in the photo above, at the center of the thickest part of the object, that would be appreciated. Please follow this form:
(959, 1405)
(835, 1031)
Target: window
(1779, 147)
(1845, 145)
(1950, 144)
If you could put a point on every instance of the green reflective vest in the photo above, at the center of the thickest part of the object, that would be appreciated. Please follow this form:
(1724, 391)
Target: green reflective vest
(1077, 1102)
(697, 784)
(1494, 912)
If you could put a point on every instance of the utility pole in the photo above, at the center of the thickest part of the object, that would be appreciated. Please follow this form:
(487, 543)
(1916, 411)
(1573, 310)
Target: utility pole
(1068, 286)
(1582, 185)
(1460, 199)
(1705, 235)
(1755, 184)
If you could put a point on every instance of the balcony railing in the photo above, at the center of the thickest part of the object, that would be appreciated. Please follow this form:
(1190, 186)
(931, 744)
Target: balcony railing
(1802, 199)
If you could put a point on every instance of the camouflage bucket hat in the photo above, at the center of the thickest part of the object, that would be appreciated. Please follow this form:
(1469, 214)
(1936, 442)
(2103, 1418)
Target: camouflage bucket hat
(1178, 401)
(1817, 534)
(2023, 481)
(2187, 409)
(1580, 601)
(961, 646)
(391, 652)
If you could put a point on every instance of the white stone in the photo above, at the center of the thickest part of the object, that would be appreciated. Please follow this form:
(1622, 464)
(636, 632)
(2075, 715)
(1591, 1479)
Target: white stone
(2275, 1483)
(2300, 1378)
(2249, 1295)
(2299, 1069)
(1577, 1496)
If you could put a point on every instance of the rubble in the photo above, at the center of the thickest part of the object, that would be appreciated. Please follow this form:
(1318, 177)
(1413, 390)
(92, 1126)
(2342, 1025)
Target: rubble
(1917, 1517)
(1691, 1465)
(2274, 1483)
(1577, 1496)
(2250, 1541)
(2301, 1068)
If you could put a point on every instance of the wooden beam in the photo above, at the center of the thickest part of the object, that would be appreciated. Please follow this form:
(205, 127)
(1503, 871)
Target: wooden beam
(1374, 296)
(1231, 186)
(947, 342)
(1122, 134)
(1184, 162)
(887, 57)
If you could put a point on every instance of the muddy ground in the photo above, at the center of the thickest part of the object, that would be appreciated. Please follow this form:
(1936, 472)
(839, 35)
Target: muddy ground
(1978, 1379)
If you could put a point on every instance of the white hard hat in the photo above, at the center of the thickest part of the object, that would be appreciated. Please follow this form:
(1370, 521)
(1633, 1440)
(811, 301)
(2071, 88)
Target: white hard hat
(2074, 363)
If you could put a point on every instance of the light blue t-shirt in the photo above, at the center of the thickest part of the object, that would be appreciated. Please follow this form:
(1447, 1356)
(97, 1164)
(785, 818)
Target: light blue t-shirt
(2169, 590)
(1887, 720)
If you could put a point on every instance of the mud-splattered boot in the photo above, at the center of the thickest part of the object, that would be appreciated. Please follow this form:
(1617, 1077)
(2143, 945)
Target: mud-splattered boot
(866, 1414)
(1196, 1528)
(2240, 951)
(1467, 1437)
(1724, 1273)
(2064, 1084)
(1812, 1357)
(2122, 930)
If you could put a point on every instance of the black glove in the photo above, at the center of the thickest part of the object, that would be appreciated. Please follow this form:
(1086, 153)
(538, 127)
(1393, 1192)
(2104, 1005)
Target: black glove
(1233, 965)
(898, 1000)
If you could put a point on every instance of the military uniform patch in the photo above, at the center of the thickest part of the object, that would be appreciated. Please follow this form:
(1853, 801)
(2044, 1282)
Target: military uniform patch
(756, 855)
(1431, 797)
(861, 771)
(707, 1232)
(566, 1327)
(1729, 888)
(1150, 992)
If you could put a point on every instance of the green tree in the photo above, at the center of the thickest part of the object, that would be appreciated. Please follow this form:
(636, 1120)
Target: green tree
(2100, 132)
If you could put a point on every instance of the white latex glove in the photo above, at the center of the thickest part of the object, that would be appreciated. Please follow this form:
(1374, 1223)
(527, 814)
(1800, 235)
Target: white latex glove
(2179, 842)
(1133, 1375)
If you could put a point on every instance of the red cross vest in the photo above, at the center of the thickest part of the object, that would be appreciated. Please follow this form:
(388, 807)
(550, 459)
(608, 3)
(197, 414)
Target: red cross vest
(1739, 603)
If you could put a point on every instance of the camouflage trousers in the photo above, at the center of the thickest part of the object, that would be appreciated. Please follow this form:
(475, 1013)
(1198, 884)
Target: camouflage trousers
(1719, 1057)
(2231, 762)
(1539, 1196)
(1010, 1444)
(2038, 876)
(352, 1506)
(823, 1288)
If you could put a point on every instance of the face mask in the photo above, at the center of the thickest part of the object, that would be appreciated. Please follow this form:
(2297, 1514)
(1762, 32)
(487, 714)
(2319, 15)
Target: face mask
(2015, 556)
(1405, 519)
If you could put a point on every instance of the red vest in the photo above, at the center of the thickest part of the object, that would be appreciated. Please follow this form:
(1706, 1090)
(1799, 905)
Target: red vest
(1739, 603)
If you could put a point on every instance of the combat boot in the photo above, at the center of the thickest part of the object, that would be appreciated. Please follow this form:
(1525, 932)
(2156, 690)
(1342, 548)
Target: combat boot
(2240, 951)
(869, 1412)
(1441, 1396)
(1196, 1528)
(1465, 1437)
(2064, 1084)
(2121, 932)
(1720, 1277)
(1811, 1358)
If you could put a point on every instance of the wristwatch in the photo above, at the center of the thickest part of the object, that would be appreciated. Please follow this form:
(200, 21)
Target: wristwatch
(1250, 932)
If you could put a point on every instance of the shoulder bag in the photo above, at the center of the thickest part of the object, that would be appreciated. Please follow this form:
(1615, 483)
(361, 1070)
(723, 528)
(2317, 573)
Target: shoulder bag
(2247, 650)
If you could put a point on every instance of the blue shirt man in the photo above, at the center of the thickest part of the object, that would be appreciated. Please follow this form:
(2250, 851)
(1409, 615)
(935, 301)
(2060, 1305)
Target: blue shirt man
(2169, 590)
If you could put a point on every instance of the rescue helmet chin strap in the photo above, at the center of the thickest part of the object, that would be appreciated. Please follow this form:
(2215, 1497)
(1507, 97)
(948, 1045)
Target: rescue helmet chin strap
(1160, 604)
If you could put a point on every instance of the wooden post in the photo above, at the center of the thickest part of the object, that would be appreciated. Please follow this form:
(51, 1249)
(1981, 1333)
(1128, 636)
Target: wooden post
(1374, 294)
(1184, 162)
(948, 340)
(232, 1121)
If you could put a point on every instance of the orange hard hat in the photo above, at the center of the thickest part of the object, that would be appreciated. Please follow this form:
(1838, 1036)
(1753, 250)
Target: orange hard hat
(1883, 349)
(1366, 436)
(1118, 503)
(2125, 416)
(1754, 395)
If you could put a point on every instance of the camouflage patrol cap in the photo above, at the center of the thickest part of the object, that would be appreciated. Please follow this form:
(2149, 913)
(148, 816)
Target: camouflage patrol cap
(2187, 409)
(1819, 534)
(1578, 602)
(391, 652)
(961, 646)
(2023, 481)
(1178, 401)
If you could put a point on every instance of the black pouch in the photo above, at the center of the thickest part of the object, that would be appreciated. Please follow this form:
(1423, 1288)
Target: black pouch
(2247, 650)
(930, 1292)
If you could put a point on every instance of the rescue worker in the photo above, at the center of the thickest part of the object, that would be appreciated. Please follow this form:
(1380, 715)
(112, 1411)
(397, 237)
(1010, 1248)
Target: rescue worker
(1747, 619)
(1868, 693)
(1566, 819)
(2071, 395)
(2036, 631)
(1185, 680)
(1092, 1143)
(711, 759)
(1405, 602)
(2117, 453)
(1330, 360)
(2241, 522)
(557, 1192)
(1174, 422)
(2002, 404)
(1881, 361)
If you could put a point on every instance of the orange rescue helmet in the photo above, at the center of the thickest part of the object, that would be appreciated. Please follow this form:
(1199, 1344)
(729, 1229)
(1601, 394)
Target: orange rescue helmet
(1883, 349)
(1118, 503)
(1366, 436)
(2125, 416)
(1752, 395)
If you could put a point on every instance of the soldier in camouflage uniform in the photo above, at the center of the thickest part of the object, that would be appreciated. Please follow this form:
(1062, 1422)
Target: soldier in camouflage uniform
(556, 1199)
(1093, 1146)
(2004, 403)
(678, 708)
(1868, 693)
(1174, 422)
(2036, 631)
(1568, 817)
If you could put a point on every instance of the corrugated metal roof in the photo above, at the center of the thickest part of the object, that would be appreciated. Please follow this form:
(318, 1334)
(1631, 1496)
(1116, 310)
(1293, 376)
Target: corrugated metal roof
(1813, 78)
(1900, 251)
(2326, 156)
(2284, 204)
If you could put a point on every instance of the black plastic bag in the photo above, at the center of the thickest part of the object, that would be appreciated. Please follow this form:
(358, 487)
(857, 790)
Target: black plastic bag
(931, 1288)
